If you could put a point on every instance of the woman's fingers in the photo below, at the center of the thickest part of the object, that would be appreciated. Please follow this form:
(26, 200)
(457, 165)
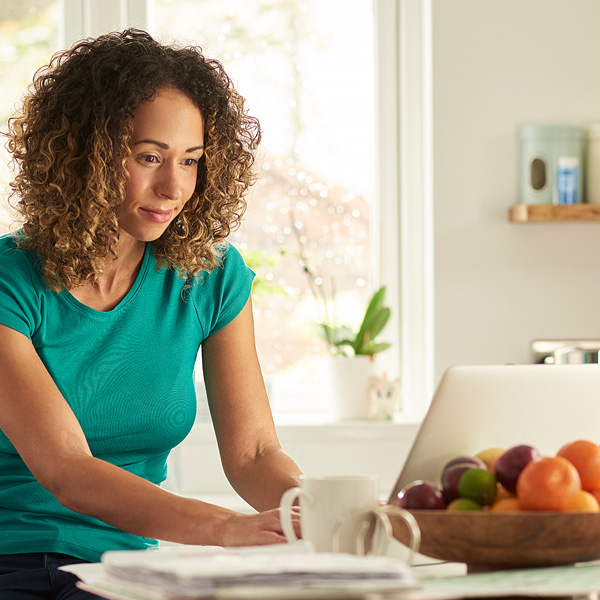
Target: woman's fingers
(296, 521)
(258, 529)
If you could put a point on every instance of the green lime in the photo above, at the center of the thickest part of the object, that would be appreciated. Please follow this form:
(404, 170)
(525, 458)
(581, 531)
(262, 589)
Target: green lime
(463, 504)
(479, 485)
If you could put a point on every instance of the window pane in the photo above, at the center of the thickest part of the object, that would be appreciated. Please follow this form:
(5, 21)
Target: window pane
(28, 38)
(306, 70)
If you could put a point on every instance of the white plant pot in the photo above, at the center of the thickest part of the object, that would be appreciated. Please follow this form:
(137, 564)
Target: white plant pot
(349, 380)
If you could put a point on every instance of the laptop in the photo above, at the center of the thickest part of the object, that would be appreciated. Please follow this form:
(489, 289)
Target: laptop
(478, 407)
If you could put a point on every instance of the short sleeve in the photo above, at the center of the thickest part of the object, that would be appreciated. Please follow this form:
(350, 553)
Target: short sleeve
(224, 291)
(19, 298)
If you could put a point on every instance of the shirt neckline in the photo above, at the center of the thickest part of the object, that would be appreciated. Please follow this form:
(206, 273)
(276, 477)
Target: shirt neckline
(130, 294)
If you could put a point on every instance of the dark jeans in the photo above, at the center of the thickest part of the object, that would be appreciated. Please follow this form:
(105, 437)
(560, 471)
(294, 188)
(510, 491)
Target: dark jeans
(35, 576)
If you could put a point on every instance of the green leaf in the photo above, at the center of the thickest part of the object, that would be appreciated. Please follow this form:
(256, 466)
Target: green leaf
(371, 349)
(334, 336)
(327, 333)
(378, 321)
(375, 318)
(371, 317)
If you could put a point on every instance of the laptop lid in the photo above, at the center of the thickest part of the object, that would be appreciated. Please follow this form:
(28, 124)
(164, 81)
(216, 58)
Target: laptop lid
(478, 407)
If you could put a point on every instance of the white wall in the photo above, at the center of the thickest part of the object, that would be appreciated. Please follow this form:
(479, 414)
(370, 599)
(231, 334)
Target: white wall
(496, 65)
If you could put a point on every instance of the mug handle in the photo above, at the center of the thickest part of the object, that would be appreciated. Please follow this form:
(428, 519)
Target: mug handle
(381, 516)
(285, 514)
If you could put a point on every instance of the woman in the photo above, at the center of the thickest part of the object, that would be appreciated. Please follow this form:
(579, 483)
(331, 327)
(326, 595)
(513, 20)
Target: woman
(133, 159)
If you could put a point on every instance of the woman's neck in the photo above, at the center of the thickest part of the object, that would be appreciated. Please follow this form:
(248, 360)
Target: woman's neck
(117, 278)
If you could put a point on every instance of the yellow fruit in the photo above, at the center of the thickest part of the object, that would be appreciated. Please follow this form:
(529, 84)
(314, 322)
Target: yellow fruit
(463, 504)
(503, 493)
(508, 504)
(583, 502)
(489, 456)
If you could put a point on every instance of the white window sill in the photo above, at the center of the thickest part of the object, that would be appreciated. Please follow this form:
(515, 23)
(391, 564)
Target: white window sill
(320, 427)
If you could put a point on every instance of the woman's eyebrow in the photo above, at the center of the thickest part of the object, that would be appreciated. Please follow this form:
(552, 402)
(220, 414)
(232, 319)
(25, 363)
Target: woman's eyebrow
(166, 146)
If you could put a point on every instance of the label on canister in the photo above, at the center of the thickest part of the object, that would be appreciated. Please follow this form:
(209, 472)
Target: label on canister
(567, 180)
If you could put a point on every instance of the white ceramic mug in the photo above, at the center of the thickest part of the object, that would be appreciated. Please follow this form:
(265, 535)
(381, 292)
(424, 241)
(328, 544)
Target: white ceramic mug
(334, 511)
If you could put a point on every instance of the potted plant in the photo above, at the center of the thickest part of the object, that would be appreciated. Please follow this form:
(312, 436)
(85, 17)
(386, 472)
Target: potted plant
(350, 366)
(363, 342)
(352, 351)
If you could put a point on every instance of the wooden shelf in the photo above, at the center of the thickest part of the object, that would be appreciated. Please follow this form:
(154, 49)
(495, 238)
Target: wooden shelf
(528, 213)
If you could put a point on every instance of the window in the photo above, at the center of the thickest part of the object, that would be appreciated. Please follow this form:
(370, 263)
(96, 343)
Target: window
(28, 37)
(307, 71)
(372, 239)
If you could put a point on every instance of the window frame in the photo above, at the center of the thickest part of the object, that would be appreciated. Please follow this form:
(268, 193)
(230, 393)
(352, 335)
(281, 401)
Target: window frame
(415, 95)
(403, 217)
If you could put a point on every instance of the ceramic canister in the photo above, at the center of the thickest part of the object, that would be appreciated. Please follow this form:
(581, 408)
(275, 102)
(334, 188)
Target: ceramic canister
(543, 147)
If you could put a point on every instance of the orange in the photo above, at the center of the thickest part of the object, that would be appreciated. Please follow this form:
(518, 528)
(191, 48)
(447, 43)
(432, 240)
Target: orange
(583, 502)
(507, 504)
(548, 483)
(585, 456)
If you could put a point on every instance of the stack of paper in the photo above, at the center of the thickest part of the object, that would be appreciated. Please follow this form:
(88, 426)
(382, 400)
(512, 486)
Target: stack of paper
(291, 570)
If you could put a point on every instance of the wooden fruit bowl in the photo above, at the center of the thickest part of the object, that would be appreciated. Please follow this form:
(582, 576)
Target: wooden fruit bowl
(494, 540)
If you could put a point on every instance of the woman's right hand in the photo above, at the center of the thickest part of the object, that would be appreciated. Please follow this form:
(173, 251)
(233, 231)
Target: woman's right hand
(258, 529)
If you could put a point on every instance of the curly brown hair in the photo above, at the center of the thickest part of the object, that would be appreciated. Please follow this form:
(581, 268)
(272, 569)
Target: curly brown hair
(71, 141)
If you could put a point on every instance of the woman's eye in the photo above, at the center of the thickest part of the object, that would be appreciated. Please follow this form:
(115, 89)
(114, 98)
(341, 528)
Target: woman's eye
(190, 162)
(149, 158)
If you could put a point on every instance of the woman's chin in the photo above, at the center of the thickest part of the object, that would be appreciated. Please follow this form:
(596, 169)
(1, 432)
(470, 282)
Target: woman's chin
(143, 234)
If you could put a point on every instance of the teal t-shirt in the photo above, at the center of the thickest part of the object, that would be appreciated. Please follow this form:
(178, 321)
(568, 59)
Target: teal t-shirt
(127, 374)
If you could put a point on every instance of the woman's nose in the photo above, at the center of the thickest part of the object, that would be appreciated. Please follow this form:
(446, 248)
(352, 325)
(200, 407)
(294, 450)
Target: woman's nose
(169, 184)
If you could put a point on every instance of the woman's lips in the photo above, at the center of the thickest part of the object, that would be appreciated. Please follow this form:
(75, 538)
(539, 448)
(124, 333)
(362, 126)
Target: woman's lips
(157, 215)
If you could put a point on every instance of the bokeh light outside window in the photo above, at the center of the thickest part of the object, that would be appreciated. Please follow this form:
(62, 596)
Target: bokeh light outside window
(28, 38)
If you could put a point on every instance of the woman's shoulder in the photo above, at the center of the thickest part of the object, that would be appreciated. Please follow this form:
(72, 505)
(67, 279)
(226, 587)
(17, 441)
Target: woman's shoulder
(231, 273)
(11, 255)
(10, 250)
(8, 241)
(230, 263)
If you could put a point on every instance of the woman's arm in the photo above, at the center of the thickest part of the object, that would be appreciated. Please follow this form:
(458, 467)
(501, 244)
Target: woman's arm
(42, 427)
(253, 460)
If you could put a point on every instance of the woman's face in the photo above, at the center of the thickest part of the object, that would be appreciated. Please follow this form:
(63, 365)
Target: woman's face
(166, 144)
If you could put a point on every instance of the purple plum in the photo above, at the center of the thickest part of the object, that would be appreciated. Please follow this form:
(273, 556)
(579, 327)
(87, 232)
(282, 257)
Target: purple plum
(451, 476)
(421, 495)
(476, 462)
(512, 462)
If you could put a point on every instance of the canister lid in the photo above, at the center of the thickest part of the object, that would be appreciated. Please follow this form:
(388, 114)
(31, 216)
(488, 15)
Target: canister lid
(552, 131)
(568, 162)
